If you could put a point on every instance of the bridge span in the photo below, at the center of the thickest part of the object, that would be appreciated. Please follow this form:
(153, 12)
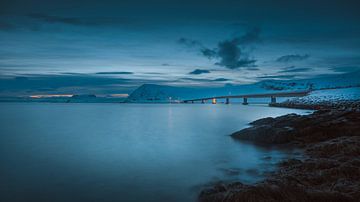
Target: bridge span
(272, 97)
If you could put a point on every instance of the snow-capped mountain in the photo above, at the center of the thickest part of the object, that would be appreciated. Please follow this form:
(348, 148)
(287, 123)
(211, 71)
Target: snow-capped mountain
(160, 93)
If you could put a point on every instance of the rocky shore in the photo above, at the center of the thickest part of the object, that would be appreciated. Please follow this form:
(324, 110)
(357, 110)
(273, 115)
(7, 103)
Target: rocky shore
(318, 105)
(330, 170)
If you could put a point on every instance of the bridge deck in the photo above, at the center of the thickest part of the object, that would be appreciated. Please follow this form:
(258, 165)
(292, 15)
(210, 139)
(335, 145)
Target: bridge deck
(264, 95)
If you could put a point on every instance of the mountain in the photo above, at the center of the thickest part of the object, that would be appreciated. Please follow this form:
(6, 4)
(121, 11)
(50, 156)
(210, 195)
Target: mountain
(161, 93)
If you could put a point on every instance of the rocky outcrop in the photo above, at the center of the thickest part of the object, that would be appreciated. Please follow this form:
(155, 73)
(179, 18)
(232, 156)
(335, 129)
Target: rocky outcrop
(292, 128)
(330, 170)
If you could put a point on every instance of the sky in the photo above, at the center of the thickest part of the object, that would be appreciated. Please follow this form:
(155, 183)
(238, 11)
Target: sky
(110, 47)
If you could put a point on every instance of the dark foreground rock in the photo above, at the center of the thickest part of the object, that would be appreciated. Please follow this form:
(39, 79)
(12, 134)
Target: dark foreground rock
(303, 129)
(330, 170)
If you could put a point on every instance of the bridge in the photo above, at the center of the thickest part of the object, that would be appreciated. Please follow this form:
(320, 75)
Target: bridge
(272, 97)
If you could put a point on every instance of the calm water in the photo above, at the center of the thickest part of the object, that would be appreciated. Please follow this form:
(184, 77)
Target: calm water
(126, 152)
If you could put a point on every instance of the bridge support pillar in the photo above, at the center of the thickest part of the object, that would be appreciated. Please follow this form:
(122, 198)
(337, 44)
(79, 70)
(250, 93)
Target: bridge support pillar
(202, 101)
(227, 101)
(245, 101)
(273, 100)
(192, 101)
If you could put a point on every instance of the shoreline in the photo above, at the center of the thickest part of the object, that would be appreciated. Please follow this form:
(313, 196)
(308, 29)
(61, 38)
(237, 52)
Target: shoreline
(329, 169)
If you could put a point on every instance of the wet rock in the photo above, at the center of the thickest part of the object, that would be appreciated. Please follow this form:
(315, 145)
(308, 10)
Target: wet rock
(253, 172)
(261, 133)
(330, 170)
(263, 121)
(267, 158)
(316, 127)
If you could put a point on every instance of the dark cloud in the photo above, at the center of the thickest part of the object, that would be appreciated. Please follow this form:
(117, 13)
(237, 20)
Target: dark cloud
(231, 57)
(221, 79)
(200, 71)
(293, 69)
(231, 53)
(208, 53)
(114, 72)
(292, 58)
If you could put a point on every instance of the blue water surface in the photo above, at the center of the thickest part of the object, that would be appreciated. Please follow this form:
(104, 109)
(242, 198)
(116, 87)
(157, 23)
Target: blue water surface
(127, 152)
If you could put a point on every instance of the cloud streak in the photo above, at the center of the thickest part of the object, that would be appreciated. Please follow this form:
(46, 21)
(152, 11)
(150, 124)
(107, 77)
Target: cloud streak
(199, 71)
(110, 73)
(205, 80)
(76, 21)
(292, 58)
(293, 69)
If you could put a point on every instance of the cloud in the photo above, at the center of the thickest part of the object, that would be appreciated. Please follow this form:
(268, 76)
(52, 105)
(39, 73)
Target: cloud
(230, 53)
(231, 56)
(76, 20)
(293, 69)
(189, 42)
(204, 80)
(208, 53)
(199, 71)
(114, 73)
(292, 58)
(221, 79)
